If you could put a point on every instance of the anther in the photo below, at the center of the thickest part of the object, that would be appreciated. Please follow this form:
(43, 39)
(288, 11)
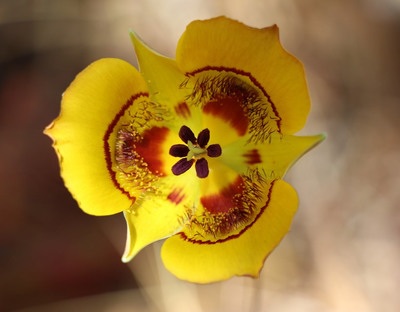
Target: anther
(179, 150)
(187, 135)
(203, 138)
(214, 150)
(182, 166)
(202, 168)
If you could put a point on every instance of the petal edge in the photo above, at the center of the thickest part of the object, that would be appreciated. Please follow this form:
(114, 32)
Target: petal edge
(88, 107)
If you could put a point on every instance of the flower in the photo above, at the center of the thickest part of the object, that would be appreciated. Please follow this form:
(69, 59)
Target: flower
(219, 197)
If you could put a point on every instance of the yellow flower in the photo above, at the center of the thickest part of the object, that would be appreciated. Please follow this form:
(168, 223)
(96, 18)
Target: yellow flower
(192, 149)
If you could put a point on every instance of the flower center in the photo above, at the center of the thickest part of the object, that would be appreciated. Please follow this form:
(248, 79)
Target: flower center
(195, 151)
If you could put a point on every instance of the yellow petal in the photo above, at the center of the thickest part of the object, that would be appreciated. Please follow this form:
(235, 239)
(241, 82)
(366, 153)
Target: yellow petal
(162, 214)
(165, 82)
(242, 254)
(88, 108)
(273, 158)
(222, 43)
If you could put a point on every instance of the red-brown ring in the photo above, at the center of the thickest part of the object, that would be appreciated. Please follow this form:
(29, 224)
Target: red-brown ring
(246, 74)
(107, 135)
(208, 242)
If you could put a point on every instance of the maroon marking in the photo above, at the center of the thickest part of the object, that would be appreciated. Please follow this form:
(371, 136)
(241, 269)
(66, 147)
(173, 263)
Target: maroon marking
(253, 157)
(182, 109)
(176, 196)
(208, 242)
(106, 137)
(223, 201)
(248, 75)
(151, 149)
(229, 109)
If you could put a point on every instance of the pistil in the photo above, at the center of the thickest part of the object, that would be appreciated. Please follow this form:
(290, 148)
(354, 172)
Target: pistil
(195, 152)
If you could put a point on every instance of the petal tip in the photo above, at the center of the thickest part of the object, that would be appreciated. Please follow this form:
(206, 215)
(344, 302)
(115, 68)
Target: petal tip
(134, 37)
(47, 130)
(273, 28)
(126, 258)
(319, 138)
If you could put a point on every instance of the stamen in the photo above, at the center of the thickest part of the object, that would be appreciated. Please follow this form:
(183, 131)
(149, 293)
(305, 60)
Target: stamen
(179, 150)
(214, 150)
(187, 135)
(202, 168)
(182, 166)
(203, 137)
(195, 151)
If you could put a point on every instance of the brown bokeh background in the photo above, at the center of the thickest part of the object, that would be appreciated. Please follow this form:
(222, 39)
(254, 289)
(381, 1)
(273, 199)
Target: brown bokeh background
(343, 251)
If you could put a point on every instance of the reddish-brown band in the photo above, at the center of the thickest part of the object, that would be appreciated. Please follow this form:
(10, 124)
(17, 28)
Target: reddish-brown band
(106, 145)
(246, 74)
(208, 242)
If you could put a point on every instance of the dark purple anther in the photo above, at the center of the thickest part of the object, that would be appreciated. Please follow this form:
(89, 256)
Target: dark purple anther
(203, 138)
(179, 150)
(182, 166)
(202, 168)
(214, 150)
(187, 135)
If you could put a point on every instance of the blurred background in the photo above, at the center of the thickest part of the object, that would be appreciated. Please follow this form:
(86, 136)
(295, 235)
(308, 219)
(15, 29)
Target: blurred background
(343, 251)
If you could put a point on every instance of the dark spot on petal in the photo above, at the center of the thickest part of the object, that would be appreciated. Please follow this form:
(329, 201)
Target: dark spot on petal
(182, 109)
(253, 157)
(176, 196)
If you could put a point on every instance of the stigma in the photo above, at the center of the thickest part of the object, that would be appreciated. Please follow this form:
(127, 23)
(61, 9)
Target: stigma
(195, 152)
